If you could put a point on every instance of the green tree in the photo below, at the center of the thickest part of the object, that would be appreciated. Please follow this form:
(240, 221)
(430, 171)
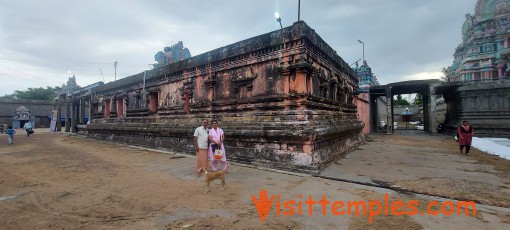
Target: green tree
(8, 96)
(418, 99)
(37, 93)
(444, 78)
(400, 101)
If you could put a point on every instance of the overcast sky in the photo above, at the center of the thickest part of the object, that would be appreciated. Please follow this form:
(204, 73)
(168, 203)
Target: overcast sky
(42, 41)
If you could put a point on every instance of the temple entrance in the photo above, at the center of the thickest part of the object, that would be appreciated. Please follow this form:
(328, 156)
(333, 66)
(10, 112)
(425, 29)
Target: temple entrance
(21, 116)
(393, 104)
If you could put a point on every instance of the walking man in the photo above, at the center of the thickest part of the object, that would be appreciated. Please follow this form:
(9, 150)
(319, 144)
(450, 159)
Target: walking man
(28, 127)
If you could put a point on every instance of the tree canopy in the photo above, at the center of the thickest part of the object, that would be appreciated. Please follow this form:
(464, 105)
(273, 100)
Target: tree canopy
(35, 93)
(418, 100)
(400, 101)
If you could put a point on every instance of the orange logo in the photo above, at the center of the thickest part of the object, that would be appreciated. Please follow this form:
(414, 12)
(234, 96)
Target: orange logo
(263, 205)
(375, 207)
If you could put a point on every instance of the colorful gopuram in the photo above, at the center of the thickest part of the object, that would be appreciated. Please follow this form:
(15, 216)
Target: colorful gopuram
(484, 53)
(365, 76)
(284, 100)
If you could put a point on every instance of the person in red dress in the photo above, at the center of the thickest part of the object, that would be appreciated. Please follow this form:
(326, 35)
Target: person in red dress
(465, 134)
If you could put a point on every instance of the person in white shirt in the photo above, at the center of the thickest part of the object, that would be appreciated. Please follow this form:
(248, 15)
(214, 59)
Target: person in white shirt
(28, 127)
(201, 137)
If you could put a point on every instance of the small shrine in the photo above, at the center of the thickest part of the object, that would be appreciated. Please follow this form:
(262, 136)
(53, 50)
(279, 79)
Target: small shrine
(21, 116)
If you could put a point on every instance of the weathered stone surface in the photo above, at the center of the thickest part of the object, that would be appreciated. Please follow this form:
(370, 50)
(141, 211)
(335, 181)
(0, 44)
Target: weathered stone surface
(282, 105)
(486, 105)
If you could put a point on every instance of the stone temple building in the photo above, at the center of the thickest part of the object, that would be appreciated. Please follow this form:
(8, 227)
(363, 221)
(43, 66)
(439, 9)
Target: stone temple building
(484, 53)
(284, 100)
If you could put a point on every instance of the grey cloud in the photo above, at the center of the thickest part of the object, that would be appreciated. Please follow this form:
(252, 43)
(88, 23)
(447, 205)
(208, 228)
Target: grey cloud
(402, 37)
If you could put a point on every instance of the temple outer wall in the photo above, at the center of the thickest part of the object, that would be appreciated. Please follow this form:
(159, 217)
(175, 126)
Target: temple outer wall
(362, 102)
(40, 110)
(486, 105)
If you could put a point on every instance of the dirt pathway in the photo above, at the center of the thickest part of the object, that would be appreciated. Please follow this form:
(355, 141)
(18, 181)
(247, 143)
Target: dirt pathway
(51, 181)
(429, 165)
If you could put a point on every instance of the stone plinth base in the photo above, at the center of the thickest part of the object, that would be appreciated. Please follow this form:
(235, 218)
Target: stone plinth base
(283, 140)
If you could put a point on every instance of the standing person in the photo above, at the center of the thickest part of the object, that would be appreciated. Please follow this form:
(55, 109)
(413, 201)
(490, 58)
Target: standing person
(217, 137)
(10, 134)
(28, 127)
(465, 134)
(75, 127)
(201, 136)
(440, 127)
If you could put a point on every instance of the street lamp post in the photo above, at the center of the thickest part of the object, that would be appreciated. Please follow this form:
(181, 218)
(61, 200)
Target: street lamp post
(278, 19)
(299, 11)
(363, 50)
(115, 66)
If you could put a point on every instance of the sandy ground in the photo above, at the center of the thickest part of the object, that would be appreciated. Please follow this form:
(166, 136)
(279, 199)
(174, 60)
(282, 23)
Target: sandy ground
(65, 182)
(429, 165)
(50, 181)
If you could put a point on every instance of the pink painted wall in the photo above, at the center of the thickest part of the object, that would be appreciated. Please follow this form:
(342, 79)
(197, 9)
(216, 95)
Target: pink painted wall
(363, 106)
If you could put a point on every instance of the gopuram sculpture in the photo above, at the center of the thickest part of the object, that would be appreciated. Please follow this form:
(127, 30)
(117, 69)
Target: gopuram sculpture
(284, 100)
(172, 54)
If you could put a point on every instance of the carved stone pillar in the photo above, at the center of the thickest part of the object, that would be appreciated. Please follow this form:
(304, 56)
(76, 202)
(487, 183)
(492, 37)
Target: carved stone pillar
(309, 85)
(210, 88)
(299, 82)
(333, 89)
(186, 91)
(92, 108)
(119, 104)
(82, 110)
(432, 111)
(73, 116)
(389, 111)
(113, 106)
(67, 112)
(286, 80)
(59, 114)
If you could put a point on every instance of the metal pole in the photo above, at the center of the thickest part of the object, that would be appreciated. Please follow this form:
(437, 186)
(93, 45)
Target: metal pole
(279, 20)
(115, 65)
(144, 76)
(299, 11)
(363, 50)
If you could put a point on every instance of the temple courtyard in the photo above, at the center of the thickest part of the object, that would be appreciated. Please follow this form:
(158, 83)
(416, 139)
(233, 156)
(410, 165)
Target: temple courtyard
(53, 180)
